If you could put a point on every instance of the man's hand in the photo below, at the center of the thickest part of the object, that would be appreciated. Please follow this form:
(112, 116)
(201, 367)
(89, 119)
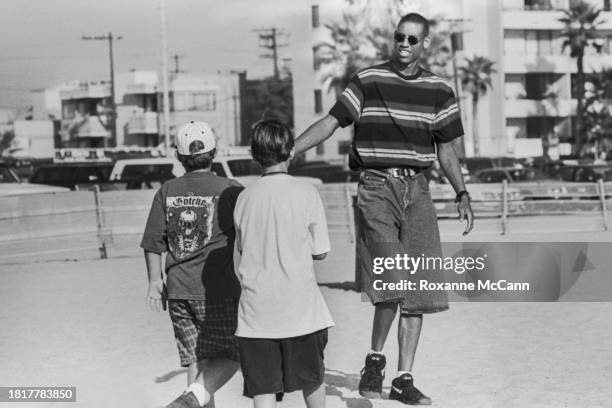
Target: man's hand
(465, 213)
(156, 297)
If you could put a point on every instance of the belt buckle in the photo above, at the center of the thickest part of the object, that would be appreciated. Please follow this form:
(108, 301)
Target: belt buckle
(402, 172)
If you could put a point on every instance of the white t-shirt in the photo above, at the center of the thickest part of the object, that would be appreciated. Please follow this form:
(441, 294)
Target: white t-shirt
(280, 224)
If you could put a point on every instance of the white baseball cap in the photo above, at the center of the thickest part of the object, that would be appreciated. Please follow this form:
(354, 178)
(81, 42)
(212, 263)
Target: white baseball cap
(192, 132)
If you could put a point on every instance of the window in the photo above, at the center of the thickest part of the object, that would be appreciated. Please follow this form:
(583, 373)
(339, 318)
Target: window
(539, 127)
(344, 146)
(195, 101)
(316, 61)
(217, 168)
(321, 148)
(538, 5)
(315, 16)
(7, 175)
(318, 101)
(545, 41)
(204, 101)
(457, 41)
(539, 86)
(494, 176)
(606, 5)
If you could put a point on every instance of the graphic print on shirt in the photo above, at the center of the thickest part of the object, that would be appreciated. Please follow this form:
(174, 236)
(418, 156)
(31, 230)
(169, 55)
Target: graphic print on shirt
(190, 222)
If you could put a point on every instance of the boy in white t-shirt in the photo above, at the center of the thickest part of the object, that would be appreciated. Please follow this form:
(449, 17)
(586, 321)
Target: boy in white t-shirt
(282, 316)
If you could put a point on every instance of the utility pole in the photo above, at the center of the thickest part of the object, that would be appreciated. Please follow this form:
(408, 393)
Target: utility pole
(268, 40)
(113, 116)
(456, 39)
(164, 57)
(176, 59)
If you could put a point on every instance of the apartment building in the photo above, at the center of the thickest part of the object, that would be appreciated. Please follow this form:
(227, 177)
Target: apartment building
(532, 103)
(85, 112)
(210, 98)
(85, 108)
(539, 86)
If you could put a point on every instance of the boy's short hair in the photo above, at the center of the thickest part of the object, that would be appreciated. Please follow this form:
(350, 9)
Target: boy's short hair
(271, 143)
(416, 18)
(200, 161)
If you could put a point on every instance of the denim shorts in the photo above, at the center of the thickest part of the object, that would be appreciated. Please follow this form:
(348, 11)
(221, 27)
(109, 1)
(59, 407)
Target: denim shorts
(397, 213)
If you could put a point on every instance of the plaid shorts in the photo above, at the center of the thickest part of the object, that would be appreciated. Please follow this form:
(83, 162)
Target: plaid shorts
(204, 329)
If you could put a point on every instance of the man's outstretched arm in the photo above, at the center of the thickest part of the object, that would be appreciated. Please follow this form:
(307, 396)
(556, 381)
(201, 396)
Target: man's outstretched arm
(317, 132)
(449, 163)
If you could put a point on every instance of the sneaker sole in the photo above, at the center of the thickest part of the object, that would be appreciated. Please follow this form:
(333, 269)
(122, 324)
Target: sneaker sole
(370, 394)
(422, 402)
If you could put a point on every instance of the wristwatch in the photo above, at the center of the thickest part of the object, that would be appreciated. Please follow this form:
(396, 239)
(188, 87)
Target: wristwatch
(461, 194)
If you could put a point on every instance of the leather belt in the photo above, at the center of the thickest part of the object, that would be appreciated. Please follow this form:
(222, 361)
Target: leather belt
(399, 172)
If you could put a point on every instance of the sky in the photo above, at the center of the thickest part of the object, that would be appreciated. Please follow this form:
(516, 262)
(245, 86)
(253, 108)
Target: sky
(41, 42)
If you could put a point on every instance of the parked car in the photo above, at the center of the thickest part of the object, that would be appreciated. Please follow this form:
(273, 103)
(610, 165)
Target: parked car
(511, 175)
(152, 172)
(534, 184)
(474, 164)
(145, 173)
(586, 173)
(342, 176)
(11, 184)
(76, 176)
(317, 169)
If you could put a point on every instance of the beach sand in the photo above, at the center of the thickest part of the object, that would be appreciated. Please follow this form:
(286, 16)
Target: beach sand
(86, 324)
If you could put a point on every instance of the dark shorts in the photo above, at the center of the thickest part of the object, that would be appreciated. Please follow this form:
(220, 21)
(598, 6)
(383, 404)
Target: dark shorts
(397, 215)
(204, 329)
(276, 366)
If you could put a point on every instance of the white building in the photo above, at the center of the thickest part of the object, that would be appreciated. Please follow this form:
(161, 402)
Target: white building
(531, 99)
(85, 108)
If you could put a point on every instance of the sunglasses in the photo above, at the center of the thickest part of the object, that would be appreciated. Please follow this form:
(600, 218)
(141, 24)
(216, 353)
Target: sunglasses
(401, 37)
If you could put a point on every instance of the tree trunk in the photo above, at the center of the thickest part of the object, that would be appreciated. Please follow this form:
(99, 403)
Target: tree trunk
(578, 142)
(475, 141)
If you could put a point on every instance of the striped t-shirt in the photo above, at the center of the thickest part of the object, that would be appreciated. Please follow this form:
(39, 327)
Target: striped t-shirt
(398, 119)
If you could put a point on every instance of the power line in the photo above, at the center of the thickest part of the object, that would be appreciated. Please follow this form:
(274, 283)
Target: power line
(113, 115)
(268, 40)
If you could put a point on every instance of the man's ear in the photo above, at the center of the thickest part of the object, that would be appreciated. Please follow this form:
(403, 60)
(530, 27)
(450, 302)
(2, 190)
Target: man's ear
(426, 42)
(292, 153)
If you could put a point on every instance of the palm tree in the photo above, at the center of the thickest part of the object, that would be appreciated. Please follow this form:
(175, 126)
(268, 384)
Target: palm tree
(364, 37)
(476, 80)
(581, 21)
(597, 120)
(345, 53)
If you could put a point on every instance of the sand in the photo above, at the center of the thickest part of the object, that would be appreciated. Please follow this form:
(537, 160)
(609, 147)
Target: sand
(85, 324)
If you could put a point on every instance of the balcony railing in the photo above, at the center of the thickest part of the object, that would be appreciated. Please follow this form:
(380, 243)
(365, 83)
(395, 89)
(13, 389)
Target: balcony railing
(92, 126)
(523, 108)
(143, 123)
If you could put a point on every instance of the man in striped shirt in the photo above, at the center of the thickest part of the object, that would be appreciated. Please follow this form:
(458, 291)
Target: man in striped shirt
(404, 119)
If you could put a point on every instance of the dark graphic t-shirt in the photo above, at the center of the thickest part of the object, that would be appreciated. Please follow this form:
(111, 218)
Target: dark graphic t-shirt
(191, 220)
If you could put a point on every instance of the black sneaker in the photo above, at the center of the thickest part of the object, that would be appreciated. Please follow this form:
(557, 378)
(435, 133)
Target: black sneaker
(403, 390)
(185, 400)
(372, 376)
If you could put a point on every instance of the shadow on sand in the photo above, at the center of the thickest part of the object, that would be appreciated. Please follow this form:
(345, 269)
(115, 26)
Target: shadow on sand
(347, 285)
(168, 376)
(338, 382)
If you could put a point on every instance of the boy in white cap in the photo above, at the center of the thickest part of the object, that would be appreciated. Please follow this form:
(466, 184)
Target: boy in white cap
(191, 220)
